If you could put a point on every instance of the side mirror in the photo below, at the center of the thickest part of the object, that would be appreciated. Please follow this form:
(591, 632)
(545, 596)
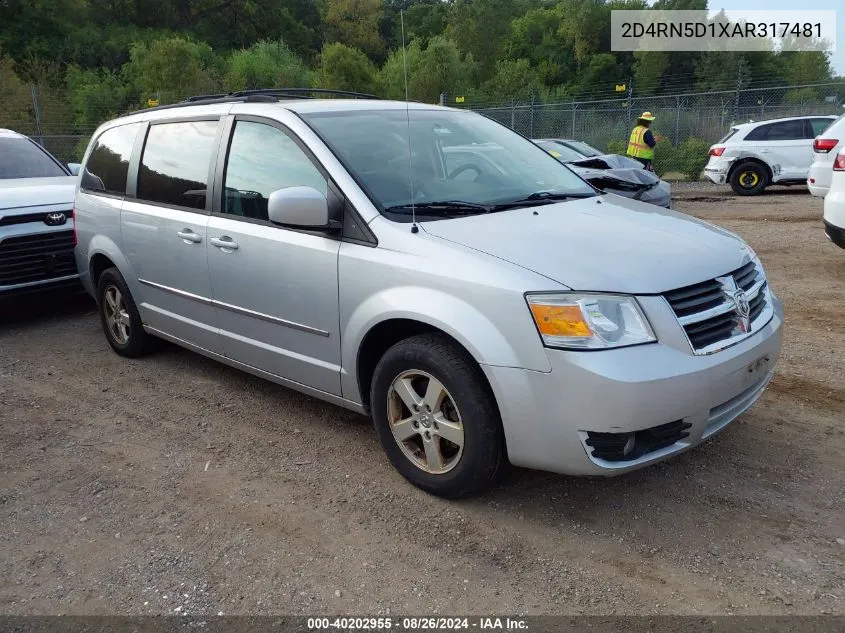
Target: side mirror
(302, 207)
(74, 168)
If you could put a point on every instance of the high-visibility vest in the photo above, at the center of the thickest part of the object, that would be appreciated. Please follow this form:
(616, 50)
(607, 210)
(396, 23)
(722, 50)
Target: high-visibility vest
(637, 146)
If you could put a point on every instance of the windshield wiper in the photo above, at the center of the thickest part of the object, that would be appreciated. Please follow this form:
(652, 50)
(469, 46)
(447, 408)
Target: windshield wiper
(539, 198)
(441, 207)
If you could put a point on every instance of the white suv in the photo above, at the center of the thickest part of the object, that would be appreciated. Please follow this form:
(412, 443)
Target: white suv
(825, 148)
(753, 156)
(834, 202)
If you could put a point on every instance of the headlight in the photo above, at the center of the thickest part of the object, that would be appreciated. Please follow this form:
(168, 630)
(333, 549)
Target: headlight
(589, 321)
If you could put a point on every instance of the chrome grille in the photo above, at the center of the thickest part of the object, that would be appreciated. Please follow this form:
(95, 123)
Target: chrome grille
(31, 258)
(714, 313)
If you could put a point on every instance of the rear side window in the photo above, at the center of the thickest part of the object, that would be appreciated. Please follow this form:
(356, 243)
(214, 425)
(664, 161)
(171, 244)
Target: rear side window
(819, 126)
(175, 163)
(108, 163)
(782, 131)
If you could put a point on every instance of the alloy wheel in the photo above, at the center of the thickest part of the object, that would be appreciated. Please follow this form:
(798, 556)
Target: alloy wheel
(425, 421)
(117, 316)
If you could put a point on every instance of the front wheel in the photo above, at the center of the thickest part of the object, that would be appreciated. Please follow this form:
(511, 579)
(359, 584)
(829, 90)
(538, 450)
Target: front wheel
(749, 179)
(436, 416)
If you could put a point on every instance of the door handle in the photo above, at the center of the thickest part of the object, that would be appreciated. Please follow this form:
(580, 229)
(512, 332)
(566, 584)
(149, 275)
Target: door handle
(225, 242)
(189, 237)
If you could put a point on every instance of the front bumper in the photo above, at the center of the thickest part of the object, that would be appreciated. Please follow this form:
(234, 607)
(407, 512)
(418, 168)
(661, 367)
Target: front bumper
(546, 415)
(836, 234)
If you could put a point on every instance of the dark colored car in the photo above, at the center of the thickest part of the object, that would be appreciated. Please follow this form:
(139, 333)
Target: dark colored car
(612, 173)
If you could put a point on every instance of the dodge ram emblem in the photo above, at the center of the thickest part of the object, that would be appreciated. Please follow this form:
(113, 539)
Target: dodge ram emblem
(55, 219)
(743, 309)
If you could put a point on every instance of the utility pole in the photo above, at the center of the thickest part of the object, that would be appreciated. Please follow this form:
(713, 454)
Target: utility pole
(739, 77)
(37, 113)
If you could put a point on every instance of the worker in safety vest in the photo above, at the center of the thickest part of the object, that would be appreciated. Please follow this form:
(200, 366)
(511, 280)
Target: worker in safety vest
(642, 141)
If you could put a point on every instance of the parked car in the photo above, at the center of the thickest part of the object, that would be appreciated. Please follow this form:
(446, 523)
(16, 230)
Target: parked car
(327, 245)
(753, 156)
(612, 173)
(36, 217)
(826, 146)
(834, 202)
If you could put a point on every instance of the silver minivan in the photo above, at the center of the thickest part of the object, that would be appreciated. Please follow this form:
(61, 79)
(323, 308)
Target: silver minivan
(335, 246)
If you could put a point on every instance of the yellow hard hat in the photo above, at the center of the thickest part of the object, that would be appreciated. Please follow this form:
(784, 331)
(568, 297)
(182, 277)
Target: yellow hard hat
(647, 116)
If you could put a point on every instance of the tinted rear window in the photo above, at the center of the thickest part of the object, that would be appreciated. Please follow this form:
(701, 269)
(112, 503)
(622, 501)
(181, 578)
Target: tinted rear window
(108, 163)
(23, 158)
(728, 135)
(781, 131)
(175, 163)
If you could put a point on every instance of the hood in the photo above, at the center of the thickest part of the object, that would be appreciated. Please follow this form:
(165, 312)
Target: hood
(609, 161)
(637, 178)
(608, 243)
(20, 193)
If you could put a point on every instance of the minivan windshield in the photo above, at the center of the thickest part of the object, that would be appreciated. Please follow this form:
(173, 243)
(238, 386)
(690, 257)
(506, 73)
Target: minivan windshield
(21, 158)
(458, 162)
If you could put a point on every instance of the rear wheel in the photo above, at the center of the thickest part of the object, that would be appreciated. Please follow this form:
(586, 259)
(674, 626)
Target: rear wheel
(436, 417)
(749, 178)
(119, 316)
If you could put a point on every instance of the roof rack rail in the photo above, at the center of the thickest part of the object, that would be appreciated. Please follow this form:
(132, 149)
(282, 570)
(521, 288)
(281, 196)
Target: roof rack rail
(261, 95)
(301, 92)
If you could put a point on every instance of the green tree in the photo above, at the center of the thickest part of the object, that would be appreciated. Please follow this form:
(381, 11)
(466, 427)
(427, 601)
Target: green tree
(481, 28)
(649, 68)
(345, 68)
(356, 24)
(16, 113)
(535, 36)
(438, 68)
(173, 68)
(514, 78)
(266, 65)
(97, 95)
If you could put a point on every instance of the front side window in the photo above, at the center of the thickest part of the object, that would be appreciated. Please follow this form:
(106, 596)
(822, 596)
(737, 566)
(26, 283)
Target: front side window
(431, 156)
(23, 158)
(261, 160)
(108, 163)
(175, 163)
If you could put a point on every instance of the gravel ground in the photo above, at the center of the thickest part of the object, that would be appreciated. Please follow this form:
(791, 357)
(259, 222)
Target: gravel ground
(174, 484)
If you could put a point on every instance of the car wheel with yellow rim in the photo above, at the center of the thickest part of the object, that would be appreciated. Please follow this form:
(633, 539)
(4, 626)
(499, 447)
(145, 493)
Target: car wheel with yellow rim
(749, 178)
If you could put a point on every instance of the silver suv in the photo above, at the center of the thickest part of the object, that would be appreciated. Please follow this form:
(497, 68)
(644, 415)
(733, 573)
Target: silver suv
(478, 316)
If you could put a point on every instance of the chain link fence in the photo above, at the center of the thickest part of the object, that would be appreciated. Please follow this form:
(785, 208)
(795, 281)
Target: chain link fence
(686, 124)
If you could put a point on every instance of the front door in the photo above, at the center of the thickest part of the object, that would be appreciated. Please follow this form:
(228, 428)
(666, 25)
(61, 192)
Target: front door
(275, 290)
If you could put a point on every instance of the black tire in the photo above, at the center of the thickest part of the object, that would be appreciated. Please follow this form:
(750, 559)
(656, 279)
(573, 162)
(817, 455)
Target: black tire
(138, 342)
(483, 452)
(749, 178)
